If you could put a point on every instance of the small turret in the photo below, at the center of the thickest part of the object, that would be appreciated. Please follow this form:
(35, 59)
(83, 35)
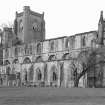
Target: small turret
(101, 29)
(15, 25)
(101, 17)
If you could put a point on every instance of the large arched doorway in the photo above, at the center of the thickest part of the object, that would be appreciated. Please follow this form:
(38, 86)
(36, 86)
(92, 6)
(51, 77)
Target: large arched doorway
(26, 70)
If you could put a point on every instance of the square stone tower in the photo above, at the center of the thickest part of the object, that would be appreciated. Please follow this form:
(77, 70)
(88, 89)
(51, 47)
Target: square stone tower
(29, 25)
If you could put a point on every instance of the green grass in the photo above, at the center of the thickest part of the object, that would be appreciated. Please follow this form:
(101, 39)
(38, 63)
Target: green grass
(52, 96)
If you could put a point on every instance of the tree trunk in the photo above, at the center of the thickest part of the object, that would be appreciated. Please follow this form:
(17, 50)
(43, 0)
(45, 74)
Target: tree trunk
(76, 82)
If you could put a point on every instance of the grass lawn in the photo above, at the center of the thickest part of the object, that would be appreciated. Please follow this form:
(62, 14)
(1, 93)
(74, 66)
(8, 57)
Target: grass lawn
(52, 96)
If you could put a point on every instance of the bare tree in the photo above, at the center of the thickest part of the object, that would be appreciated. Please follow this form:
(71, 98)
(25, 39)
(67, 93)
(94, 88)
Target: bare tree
(88, 59)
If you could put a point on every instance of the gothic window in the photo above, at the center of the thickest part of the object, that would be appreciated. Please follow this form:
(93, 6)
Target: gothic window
(30, 49)
(66, 56)
(54, 73)
(31, 72)
(73, 70)
(39, 74)
(35, 26)
(83, 41)
(6, 62)
(51, 45)
(61, 72)
(16, 51)
(26, 48)
(15, 61)
(38, 48)
(52, 58)
(67, 43)
(25, 76)
(45, 72)
(6, 52)
(8, 70)
(39, 59)
(20, 26)
(72, 42)
(54, 76)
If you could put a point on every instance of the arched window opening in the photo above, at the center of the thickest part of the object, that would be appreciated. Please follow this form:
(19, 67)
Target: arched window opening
(72, 42)
(20, 26)
(30, 49)
(15, 61)
(8, 70)
(52, 45)
(83, 41)
(61, 73)
(67, 43)
(45, 72)
(54, 76)
(6, 52)
(27, 60)
(26, 49)
(66, 56)
(38, 48)
(39, 59)
(16, 51)
(25, 76)
(39, 74)
(31, 73)
(52, 58)
(6, 62)
(54, 73)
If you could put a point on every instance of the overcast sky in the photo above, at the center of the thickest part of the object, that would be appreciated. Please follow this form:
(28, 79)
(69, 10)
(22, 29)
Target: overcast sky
(63, 17)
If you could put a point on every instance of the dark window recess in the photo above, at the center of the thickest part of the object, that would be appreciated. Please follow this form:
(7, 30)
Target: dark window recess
(54, 76)
(39, 48)
(83, 41)
(67, 43)
(52, 46)
(16, 51)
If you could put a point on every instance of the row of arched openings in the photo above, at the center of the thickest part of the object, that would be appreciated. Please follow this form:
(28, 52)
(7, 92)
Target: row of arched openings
(54, 74)
(27, 60)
